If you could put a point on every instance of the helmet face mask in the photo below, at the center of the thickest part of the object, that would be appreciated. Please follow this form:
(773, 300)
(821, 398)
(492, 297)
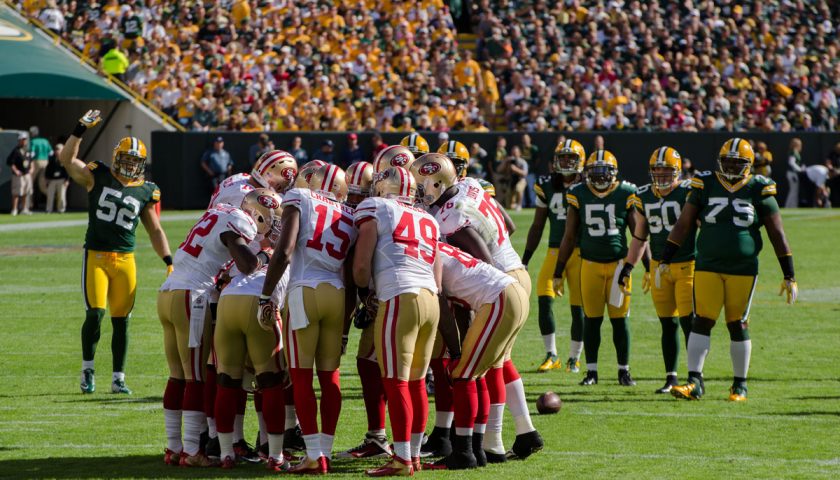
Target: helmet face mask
(664, 177)
(567, 163)
(733, 167)
(601, 177)
(458, 154)
(128, 166)
(460, 167)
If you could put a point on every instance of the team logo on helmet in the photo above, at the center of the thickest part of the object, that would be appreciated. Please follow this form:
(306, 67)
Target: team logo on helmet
(289, 174)
(400, 160)
(429, 169)
(268, 202)
(381, 175)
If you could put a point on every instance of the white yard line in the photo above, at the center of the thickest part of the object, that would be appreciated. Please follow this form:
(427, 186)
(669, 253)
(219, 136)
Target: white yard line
(704, 458)
(23, 227)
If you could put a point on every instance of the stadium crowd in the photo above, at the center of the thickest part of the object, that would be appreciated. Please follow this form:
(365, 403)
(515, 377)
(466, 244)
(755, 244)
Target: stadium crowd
(395, 66)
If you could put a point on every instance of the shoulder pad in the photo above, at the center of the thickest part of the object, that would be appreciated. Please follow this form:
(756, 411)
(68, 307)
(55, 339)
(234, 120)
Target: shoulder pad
(685, 183)
(697, 183)
(764, 180)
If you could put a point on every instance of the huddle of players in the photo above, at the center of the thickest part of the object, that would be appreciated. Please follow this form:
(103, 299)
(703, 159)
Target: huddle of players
(408, 250)
(700, 237)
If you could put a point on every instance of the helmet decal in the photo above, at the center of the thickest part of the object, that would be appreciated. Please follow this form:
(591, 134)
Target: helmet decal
(429, 169)
(268, 201)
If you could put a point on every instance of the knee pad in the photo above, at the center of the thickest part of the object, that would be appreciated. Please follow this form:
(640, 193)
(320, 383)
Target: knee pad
(225, 380)
(702, 326)
(269, 379)
(738, 331)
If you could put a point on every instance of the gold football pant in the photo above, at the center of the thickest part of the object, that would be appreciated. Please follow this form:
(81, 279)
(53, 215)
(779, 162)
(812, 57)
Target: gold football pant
(238, 335)
(109, 279)
(521, 275)
(404, 334)
(676, 296)
(492, 333)
(319, 343)
(174, 313)
(545, 284)
(716, 291)
(595, 283)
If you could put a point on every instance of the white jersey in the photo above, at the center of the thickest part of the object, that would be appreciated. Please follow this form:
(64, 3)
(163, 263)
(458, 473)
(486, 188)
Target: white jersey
(251, 285)
(325, 236)
(473, 207)
(406, 247)
(232, 190)
(199, 259)
(469, 281)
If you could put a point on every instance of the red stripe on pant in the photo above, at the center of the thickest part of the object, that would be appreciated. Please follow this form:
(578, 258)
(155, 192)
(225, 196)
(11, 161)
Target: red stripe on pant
(443, 389)
(486, 334)
(330, 400)
(400, 409)
(274, 409)
(483, 401)
(373, 393)
(227, 400)
(395, 315)
(173, 394)
(305, 403)
(419, 405)
(386, 350)
(466, 403)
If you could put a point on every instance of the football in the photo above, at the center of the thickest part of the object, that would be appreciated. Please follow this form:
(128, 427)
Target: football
(549, 402)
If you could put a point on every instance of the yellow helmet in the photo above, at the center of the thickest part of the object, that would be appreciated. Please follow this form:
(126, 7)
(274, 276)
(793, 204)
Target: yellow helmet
(458, 153)
(416, 144)
(129, 162)
(601, 169)
(735, 159)
(569, 158)
(329, 180)
(393, 156)
(359, 178)
(396, 183)
(664, 158)
(302, 179)
(434, 173)
(263, 205)
(275, 169)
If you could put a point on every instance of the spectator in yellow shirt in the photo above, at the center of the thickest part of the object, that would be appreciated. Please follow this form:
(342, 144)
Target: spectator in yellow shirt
(115, 63)
(239, 11)
(468, 72)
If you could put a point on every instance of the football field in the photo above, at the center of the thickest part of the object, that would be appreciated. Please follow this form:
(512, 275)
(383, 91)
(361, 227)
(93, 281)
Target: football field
(789, 428)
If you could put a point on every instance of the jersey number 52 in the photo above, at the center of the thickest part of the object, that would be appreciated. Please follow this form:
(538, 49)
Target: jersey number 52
(108, 211)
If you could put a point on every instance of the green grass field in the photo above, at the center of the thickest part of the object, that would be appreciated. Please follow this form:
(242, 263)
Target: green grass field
(789, 428)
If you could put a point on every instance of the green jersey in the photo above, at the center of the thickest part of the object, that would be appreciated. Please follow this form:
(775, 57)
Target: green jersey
(603, 220)
(730, 219)
(114, 210)
(551, 194)
(661, 214)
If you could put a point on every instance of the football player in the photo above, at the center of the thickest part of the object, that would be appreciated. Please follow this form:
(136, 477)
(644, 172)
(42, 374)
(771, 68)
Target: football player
(306, 171)
(731, 206)
(500, 305)
(552, 204)
(316, 235)
(600, 211)
(223, 233)
(393, 156)
(237, 336)
(397, 248)
(416, 144)
(470, 220)
(117, 197)
(660, 204)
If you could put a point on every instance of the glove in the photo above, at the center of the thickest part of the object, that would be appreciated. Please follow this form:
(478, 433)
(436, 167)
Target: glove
(559, 289)
(789, 287)
(663, 271)
(169, 270)
(268, 315)
(91, 118)
(344, 340)
(646, 282)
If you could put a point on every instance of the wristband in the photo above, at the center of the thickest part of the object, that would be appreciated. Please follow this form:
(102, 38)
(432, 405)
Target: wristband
(626, 270)
(167, 260)
(558, 270)
(264, 298)
(786, 262)
(363, 293)
(526, 256)
(79, 130)
(263, 258)
(670, 250)
(646, 263)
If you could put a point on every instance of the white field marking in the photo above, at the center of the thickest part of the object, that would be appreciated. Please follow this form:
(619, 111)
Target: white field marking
(819, 295)
(98, 446)
(23, 227)
(704, 458)
(772, 418)
(38, 289)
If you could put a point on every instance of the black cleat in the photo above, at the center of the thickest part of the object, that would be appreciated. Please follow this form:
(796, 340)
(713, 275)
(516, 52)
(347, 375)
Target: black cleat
(624, 379)
(670, 381)
(591, 378)
(461, 457)
(438, 444)
(495, 457)
(262, 448)
(527, 443)
(212, 448)
(293, 440)
(203, 438)
(478, 449)
(246, 452)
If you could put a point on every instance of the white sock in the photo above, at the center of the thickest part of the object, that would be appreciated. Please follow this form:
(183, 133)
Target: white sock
(698, 348)
(463, 432)
(291, 417)
(518, 406)
(87, 364)
(494, 419)
(226, 446)
(740, 353)
(670, 374)
(211, 427)
(239, 427)
(416, 443)
(550, 344)
(172, 421)
(275, 446)
(194, 422)
(313, 445)
(624, 367)
(403, 450)
(575, 348)
(118, 376)
(444, 419)
(480, 428)
(493, 442)
(377, 433)
(591, 367)
(263, 428)
(327, 444)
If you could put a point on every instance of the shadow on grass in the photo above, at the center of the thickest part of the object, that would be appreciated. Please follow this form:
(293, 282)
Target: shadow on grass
(113, 399)
(805, 414)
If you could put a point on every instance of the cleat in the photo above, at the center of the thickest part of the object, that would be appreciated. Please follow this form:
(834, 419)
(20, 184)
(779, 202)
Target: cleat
(171, 458)
(203, 439)
(212, 448)
(737, 393)
(591, 378)
(262, 448)
(478, 449)
(495, 457)
(690, 391)
(438, 444)
(308, 466)
(527, 444)
(461, 458)
(624, 379)
(293, 440)
(245, 452)
(670, 382)
(416, 464)
(371, 447)
(394, 468)
(199, 460)
(275, 465)
(88, 383)
(573, 365)
(118, 386)
(550, 363)
(228, 463)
